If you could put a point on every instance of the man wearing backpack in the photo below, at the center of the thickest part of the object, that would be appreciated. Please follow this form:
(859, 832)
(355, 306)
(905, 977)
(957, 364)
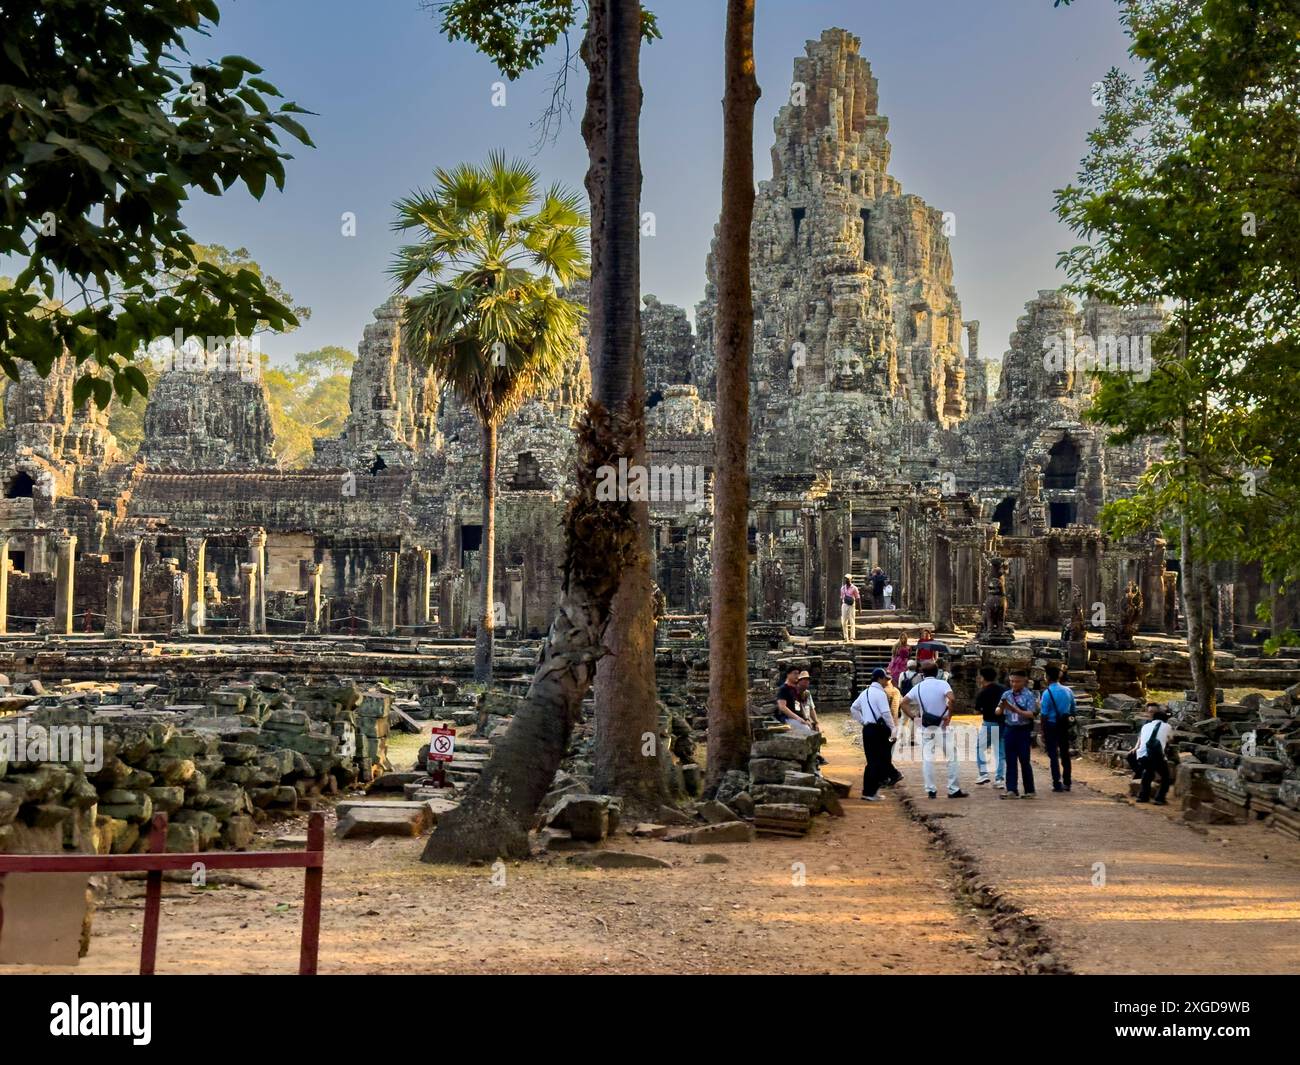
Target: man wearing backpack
(1149, 754)
(1056, 708)
(933, 700)
(906, 682)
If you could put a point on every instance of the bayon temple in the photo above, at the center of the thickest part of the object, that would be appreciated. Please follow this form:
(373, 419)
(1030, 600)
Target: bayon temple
(876, 440)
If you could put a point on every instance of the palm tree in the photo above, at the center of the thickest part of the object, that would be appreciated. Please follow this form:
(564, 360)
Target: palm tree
(487, 318)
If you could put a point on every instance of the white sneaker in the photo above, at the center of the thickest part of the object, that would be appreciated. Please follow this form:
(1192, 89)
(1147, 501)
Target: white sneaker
(1000, 784)
(873, 798)
(982, 780)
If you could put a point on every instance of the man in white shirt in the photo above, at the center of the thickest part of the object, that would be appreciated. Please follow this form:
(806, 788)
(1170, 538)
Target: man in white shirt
(1148, 754)
(872, 711)
(933, 700)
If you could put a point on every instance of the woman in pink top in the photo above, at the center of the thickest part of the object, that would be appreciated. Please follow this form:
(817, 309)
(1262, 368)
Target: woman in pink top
(902, 652)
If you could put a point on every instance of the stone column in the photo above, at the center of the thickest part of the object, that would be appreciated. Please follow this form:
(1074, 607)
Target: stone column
(40, 560)
(257, 559)
(180, 596)
(113, 609)
(943, 577)
(131, 584)
(424, 581)
(1227, 614)
(4, 584)
(388, 593)
(196, 588)
(65, 545)
(248, 592)
(309, 579)
(515, 597)
(836, 555)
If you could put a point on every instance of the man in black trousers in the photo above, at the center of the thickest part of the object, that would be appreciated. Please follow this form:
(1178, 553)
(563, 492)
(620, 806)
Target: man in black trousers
(872, 711)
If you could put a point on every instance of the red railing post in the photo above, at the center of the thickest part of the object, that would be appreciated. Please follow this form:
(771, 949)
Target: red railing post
(311, 896)
(153, 897)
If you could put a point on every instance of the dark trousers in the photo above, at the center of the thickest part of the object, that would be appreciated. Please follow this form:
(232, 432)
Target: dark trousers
(1017, 741)
(1056, 738)
(875, 744)
(1154, 765)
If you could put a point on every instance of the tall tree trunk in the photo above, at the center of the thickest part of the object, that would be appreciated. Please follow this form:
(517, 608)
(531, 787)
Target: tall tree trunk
(729, 731)
(1191, 581)
(486, 559)
(631, 757)
(626, 708)
(601, 537)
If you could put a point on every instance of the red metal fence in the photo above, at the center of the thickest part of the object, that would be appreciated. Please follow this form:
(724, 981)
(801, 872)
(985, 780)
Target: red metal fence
(157, 861)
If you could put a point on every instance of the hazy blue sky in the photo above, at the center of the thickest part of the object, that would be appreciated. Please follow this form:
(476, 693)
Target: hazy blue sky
(989, 102)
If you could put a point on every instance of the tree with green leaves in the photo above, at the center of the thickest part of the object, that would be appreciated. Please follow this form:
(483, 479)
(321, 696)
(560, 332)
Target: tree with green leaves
(486, 317)
(106, 126)
(1190, 197)
(308, 401)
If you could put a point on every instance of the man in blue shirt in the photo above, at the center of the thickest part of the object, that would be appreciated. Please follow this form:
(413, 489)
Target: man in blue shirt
(1056, 708)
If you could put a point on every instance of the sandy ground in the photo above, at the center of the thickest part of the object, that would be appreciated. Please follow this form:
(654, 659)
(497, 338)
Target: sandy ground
(1123, 888)
(868, 893)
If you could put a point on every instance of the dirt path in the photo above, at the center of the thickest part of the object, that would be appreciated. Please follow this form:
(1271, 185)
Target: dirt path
(1123, 888)
(864, 894)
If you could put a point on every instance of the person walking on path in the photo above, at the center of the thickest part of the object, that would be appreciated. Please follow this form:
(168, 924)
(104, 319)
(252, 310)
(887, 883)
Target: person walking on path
(892, 775)
(871, 710)
(907, 680)
(990, 733)
(1017, 708)
(878, 582)
(898, 662)
(1149, 754)
(933, 699)
(1057, 708)
(850, 597)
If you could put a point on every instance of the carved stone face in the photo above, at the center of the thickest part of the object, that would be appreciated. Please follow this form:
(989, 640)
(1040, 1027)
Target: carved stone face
(847, 369)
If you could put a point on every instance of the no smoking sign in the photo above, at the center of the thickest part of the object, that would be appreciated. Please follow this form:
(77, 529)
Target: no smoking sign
(442, 744)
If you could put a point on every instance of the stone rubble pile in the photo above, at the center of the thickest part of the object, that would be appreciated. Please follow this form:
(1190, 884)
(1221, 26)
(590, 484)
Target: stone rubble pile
(217, 760)
(1242, 764)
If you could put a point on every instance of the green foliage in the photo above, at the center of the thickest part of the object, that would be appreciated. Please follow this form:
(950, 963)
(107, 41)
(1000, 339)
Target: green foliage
(516, 35)
(309, 401)
(105, 128)
(1190, 196)
(492, 248)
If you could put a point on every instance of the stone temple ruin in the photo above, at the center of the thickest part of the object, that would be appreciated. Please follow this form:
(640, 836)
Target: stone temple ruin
(875, 442)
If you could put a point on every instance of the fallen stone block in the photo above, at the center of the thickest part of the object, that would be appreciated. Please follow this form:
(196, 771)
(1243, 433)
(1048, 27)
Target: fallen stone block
(727, 832)
(618, 860)
(365, 821)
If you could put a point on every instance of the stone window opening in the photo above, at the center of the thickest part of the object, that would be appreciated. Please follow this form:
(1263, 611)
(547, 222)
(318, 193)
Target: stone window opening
(797, 215)
(20, 486)
(1062, 465)
(866, 234)
(1005, 516)
(1061, 514)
